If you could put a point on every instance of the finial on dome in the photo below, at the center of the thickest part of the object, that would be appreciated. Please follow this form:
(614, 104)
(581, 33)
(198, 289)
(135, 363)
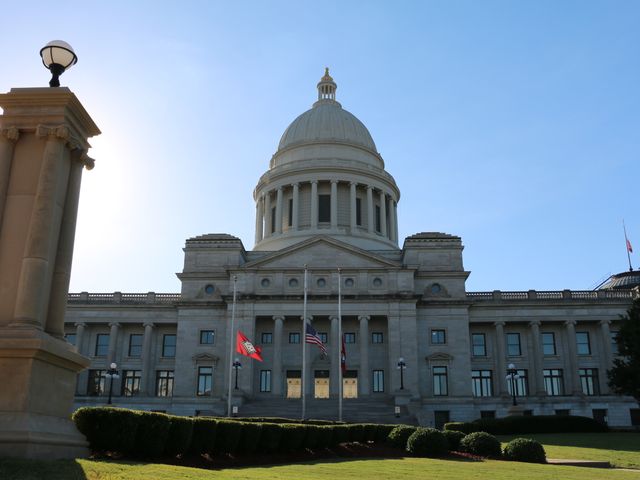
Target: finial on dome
(327, 87)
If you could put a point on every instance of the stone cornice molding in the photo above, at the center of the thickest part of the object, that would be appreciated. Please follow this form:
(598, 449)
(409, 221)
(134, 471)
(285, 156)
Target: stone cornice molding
(205, 358)
(11, 134)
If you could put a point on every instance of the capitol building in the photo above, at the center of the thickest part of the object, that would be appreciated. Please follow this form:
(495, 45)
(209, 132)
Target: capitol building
(419, 347)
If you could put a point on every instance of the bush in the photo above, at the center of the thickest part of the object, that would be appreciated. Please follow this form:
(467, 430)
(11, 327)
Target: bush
(312, 437)
(453, 439)
(270, 439)
(151, 435)
(341, 434)
(356, 432)
(203, 439)
(325, 436)
(525, 450)
(464, 427)
(293, 436)
(370, 432)
(251, 437)
(382, 432)
(399, 435)
(108, 428)
(427, 442)
(482, 444)
(179, 438)
(517, 424)
(228, 433)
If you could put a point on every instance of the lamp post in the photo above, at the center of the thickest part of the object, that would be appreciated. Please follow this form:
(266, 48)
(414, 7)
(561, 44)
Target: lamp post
(57, 57)
(512, 376)
(236, 365)
(401, 366)
(111, 374)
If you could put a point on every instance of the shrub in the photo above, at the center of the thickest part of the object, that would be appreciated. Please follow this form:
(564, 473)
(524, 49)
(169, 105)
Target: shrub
(482, 444)
(325, 436)
(356, 432)
(525, 450)
(464, 427)
(427, 442)
(341, 434)
(228, 433)
(312, 437)
(179, 438)
(293, 436)
(453, 439)
(370, 432)
(251, 437)
(270, 438)
(399, 435)
(108, 428)
(204, 435)
(152, 433)
(382, 432)
(518, 424)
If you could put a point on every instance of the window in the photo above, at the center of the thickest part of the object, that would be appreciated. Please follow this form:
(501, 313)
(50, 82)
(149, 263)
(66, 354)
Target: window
(96, 385)
(164, 383)
(378, 381)
(102, 344)
(614, 343)
(438, 337)
(273, 219)
(553, 383)
(169, 346)
(513, 345)
(481, 383)
(358, 211)
(349, 337)
(71, 338)
(479, 344)
(378, 228)
(589, 381)
(294, 337)
(131, 382)
(377, 337)
(324, 208)
(323, 337)
(265, 380)
(522, 384)
(582, 343)
(440, 381)
(205, 380)
(207, 337)
(548, 343)
(266, 338)
(290, 220)
(135, 345)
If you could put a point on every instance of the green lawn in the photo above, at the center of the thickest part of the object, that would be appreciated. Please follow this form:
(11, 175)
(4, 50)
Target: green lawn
(619, 449)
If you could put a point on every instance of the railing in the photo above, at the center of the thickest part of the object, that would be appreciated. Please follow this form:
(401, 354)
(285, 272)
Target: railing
(555, 295)
(115, 298)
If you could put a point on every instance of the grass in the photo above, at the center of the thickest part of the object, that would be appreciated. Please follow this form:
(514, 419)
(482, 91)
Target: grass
(620, 449)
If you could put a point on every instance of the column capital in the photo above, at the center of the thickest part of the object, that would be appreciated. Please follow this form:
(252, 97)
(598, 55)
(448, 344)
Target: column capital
(11, 134)
(570, 323)
(334, 181)
(80, 324)
(114, 325)
(149, 325)
(352, 182)
(364, 318)
(295, 184)
(604, 322)
(279, 188)
(535, 323)
(334, 317)
(499, 324)
(278, 317)
(370, 187)
(309, 318)
(313, 182)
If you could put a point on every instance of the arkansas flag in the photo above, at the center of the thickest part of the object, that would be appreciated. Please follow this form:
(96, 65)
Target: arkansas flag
(629, 247)
(246, 348)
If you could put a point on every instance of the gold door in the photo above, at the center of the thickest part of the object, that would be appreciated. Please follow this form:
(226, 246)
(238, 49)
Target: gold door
(321, 388)
(350, 388)
(294, 388)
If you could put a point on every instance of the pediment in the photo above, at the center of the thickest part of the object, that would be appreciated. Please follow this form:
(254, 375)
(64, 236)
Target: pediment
(438, 357)
(322, 252)
(205, 358)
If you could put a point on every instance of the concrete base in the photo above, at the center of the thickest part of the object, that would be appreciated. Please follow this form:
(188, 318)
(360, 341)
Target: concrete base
(38, 376)
(516, 410)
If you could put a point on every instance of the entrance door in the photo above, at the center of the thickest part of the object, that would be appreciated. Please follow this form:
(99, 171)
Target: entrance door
(294, 384)
(440, 417)
(349, 388)
(321, 384)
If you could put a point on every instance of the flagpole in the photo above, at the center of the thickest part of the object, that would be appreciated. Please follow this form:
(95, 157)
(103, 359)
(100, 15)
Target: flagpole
(626, 245)
(339, 346)
(231, 335)
(304, 347)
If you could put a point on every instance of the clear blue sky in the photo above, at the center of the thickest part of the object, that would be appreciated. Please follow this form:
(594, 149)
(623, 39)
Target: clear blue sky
(515, 125)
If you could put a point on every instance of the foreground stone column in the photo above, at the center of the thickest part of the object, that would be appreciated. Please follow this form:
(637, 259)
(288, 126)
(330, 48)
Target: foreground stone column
(277, 382)
(334, 364)
(43, 145)
(363, 377)
(574, 387)
(538, 361)
(147, 386)
(500, 359)
(605, 334)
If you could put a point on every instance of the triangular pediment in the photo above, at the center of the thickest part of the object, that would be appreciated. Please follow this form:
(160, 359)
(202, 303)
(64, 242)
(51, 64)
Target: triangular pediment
(439, 357)
(205, 358)
(322, 252)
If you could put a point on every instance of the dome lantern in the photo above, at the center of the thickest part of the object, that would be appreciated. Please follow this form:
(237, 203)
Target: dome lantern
(327, 87)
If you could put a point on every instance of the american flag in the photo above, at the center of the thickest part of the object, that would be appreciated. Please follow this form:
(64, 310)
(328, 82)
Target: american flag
(312, 337)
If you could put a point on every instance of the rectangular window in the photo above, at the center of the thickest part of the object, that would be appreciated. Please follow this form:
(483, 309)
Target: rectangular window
(513, 345)
(207, 337)
(349, 337)
(440, 383)
(481, 383)
(378, 227)
(548, 343)
(102, 344)
(378, 381)
(135, 345)
(521, 383)
(71, 338)
(614, 342)
(553, 383)
(294, 337)
(169, 346)
(266, 338)
(438, 337)
(377, 337)
(479, 344)
(131, 382)
(205, 380)
(290, 220)
(96, 385)
(589, 381)
(324, 208)
(324, 338)
(164, 383)
(359, 212)
(265, 380)
(582, 343)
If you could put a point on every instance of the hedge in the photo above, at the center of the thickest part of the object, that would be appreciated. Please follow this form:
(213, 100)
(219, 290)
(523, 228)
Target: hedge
(514, 425)
(481, 443)
(107, 428)
(400, 434)
(525, 450)
(453, 439)
(180, 433)
(427, 442)
(152, 433)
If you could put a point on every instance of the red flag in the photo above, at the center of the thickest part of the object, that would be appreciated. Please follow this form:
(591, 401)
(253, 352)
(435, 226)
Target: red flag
(246, 348)
(343, 356)
(629, 247)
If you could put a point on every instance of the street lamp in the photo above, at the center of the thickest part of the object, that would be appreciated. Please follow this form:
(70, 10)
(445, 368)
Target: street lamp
(111, 374)
(512, 375)
(57, 56)
(401, 367)
(236, 365)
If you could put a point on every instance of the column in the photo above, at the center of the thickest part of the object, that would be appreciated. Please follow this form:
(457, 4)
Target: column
(146, 383)
(574, 380)
(607, 354)
(267, 214)
(259, 218)
(308, 374)
(395, 216)
(364, 374)
(370, 220)
(296, 206)
(113, 342)
(538, 364)
(383, 214)
(314, 204)
(8, 138)
(81, 382)
(334, 348)
(276, 373)
(279, 210)
(353, 219)
(392, 220)
(500, 367)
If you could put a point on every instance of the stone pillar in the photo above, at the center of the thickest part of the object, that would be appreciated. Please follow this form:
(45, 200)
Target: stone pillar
(334, 348)
(259, 218)
(392, 221)
(114, 327)
(276, 378)
(574, 380)
(279, 210)
(296, 207)
(395, 216)
(353, 219)
(538, 363)
(309, 371)
(147, 386)
(383, 214)
(365, 374)
(267, 215)
(371, 221)
(81, 383)
(500, 357)
(334, 204)
(607, 355)
(8, 138)
(314, 204)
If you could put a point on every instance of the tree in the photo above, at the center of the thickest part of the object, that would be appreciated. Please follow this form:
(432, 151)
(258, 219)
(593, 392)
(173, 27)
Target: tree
(624, 377)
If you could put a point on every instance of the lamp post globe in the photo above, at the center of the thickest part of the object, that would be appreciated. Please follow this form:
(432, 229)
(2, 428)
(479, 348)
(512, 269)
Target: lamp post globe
(57, 56)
